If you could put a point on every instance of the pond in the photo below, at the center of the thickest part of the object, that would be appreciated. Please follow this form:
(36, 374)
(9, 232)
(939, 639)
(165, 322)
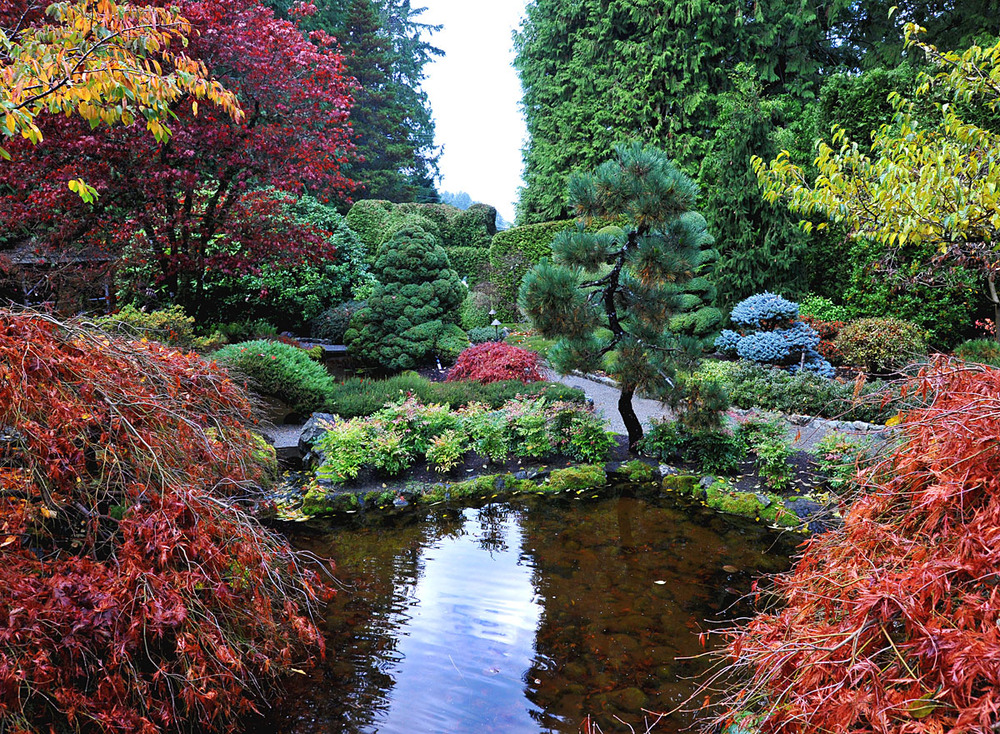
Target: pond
(523, 617)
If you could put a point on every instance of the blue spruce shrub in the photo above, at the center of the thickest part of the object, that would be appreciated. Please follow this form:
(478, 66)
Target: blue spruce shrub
(770, 334)
(764, 311)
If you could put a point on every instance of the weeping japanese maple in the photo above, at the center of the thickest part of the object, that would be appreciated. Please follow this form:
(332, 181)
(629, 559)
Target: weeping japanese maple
(192, 206)
(892, 624)
(139, 594)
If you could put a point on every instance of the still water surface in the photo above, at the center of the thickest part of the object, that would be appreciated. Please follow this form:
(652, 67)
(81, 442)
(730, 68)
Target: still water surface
(522, 618)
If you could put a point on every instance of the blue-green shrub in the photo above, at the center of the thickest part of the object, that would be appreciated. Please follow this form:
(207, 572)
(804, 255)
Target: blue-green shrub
(768, 333)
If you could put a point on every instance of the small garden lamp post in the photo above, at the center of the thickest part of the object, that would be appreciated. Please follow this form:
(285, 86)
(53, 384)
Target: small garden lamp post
(495, 324)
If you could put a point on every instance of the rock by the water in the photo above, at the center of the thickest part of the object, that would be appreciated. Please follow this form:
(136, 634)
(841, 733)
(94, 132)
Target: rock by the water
(316, 426)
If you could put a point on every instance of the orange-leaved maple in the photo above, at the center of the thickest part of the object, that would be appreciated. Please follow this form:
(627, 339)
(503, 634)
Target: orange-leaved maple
(892, 623)
(139, 593)
(108, 62)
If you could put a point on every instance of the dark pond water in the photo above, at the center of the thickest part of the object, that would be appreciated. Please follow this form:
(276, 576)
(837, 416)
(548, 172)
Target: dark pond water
(523, 618)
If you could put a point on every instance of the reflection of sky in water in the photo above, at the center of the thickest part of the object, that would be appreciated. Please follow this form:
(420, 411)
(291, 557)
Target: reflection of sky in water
(474, 622)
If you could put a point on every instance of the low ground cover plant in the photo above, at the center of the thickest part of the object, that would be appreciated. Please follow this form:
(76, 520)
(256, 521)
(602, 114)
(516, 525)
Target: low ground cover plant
(138, 593)
(890, 624)
(758, 386)
(496, 362)
(280, 370)
(393, 439)
(983, 351)
(357, 397)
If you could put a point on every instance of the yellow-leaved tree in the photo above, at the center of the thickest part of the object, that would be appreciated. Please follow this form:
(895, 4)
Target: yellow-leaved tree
(935, 184)
(105, 61)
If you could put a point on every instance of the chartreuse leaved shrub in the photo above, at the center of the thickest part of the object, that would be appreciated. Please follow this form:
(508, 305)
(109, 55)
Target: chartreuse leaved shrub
(281, 371)
(769, 332)
(880, 345)
(391, 440)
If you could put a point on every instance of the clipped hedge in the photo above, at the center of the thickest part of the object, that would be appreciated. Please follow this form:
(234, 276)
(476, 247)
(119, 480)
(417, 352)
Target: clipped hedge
(512, 253)
(470, 263)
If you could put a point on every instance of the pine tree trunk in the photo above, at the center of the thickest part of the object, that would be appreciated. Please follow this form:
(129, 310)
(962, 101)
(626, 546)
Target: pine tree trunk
(631, 420)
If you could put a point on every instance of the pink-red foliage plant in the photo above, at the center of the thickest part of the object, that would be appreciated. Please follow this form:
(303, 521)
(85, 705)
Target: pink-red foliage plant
(496, 361)
(892, 623)
(138, 592)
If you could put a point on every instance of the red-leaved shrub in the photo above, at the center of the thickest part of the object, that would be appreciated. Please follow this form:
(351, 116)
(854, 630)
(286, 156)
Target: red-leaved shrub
(496, 361)
(827, 331)
(137, 594)
(892, 623)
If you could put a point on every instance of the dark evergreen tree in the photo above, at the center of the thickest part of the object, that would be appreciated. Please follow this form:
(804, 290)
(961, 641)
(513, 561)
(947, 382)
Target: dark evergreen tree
(761, 247)
(608, 297)
(386, 50)
(414, 308)
(596, 72)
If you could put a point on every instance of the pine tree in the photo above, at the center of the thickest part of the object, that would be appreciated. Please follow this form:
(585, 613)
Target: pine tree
(609, 297)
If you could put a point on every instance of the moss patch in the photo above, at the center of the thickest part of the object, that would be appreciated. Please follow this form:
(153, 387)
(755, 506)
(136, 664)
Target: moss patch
(764, 508)
(585, 476)
(638, 471)
(681, 483)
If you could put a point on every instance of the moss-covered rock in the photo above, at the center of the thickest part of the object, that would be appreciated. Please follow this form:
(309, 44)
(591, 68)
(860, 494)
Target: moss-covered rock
(765, 508)
(585, 476)
(317, 502)
(681, 483)
(638, 471)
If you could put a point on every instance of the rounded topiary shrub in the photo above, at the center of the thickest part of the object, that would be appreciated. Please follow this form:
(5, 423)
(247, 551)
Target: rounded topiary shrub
(769, 332)
(417, 297)
(281, 371)
(880, 345)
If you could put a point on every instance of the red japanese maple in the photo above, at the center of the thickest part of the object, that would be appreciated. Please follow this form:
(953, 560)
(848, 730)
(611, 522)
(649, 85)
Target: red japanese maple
(138, 593)
(892, 624)
(194, 205)
(496, 361)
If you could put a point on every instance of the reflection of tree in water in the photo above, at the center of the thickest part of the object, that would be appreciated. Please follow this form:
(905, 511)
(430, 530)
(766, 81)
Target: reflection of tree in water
(494, 520)
(379, 564)
(609, 635)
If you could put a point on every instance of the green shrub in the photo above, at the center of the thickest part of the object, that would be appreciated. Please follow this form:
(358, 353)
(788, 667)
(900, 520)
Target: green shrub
(474, 227)
(471, 263)
(332, 324)
(589, 441)
(281, 371)
(487, 432)
(356, 397)
(404, 321)
(475, 311)
(445, 451)
(713, 451)
(450, 343)
(837, 457)
(880, 344)
(244, 331)
(983, 351)
(823, 309)
(483, 334)
(170, 326)
(367, 219)
(758, 386)
(512, 253)
(344, 449)
(531, 436)
(389, 451)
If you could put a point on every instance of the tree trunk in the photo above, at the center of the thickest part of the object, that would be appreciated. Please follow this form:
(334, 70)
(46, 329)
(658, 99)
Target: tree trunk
(631, 420)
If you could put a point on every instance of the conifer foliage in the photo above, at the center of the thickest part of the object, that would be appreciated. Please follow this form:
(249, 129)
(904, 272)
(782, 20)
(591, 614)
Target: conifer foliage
(609, 297)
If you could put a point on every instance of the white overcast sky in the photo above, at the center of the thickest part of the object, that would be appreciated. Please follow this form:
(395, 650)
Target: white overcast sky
(475, 97)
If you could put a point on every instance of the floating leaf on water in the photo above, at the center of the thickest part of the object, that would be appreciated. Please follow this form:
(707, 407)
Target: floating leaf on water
(730, 569)
(659, 583)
